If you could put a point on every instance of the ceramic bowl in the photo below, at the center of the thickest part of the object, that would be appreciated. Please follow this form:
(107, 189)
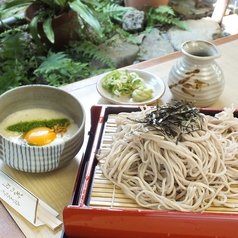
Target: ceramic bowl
(41, 158)
(150, 80)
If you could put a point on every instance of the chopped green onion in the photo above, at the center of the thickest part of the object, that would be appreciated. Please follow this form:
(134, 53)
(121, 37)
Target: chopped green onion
(125, 83)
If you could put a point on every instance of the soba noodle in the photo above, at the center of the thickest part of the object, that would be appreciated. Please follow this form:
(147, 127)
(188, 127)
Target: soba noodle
(199, 171)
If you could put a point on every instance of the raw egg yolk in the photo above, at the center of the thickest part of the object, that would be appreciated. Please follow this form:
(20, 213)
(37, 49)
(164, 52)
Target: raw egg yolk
(40, 136)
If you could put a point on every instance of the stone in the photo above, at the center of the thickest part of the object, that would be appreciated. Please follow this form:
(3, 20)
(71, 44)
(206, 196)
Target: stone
(204, 3)
(202, 29)
(154, 46)
(122, 55)
(133, 21)
(139, 39)
(190, 9)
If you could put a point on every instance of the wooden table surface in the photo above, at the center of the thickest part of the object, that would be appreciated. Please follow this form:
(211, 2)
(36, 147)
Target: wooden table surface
(56, 187)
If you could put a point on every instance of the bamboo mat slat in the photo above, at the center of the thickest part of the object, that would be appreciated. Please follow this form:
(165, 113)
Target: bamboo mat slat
(107, 195)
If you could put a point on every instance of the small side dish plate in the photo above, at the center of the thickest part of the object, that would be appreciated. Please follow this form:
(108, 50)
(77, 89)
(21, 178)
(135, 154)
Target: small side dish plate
(150, 80)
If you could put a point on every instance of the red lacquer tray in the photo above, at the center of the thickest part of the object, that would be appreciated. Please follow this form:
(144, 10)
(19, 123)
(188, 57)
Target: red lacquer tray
(82, 220)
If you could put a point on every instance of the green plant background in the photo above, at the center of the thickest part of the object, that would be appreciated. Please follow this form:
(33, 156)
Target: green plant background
(22, 62)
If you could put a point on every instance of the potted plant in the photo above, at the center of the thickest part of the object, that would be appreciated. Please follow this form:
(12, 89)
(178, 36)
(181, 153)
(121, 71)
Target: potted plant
(55, 22)
(144, 5)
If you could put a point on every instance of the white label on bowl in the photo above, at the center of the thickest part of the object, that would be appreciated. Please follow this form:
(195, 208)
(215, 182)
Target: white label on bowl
(27, 204)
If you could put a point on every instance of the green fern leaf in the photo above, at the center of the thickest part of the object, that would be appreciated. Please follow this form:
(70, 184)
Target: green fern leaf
(92, 51)
(179, 23)
(164, 15)
(165, 9)
(53, 61)
(115, 11)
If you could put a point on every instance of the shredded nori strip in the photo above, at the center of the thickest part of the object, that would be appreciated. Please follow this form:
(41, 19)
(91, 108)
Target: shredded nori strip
(173, 119)
(28, 125)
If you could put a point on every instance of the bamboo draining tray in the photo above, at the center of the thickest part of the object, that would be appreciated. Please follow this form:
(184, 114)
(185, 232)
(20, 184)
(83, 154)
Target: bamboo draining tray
(104, 192)
(100, 209)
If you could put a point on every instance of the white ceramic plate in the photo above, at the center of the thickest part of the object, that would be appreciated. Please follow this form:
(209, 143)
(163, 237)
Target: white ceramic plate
(150, 80)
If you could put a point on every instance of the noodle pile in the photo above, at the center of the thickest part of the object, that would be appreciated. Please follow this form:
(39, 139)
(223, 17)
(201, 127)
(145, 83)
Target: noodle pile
(198, 171)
